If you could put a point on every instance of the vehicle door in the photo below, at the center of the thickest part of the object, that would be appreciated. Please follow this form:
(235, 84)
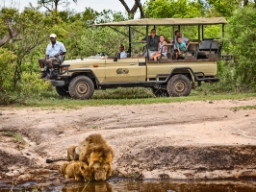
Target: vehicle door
(125, 70)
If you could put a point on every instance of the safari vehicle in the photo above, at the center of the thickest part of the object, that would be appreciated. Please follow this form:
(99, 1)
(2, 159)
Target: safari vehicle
(166, 77)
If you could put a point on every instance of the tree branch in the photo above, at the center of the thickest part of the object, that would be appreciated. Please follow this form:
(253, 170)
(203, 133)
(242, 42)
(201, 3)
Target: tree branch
(131, 12)
(12, 33)
(142, 15)
(125, 6)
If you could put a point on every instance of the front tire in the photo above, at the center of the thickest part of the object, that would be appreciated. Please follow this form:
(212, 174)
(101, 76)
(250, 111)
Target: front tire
(81, 87)
(63, 91)
(178, 85)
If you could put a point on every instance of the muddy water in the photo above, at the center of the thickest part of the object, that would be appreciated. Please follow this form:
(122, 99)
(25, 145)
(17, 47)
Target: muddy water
(142, 186)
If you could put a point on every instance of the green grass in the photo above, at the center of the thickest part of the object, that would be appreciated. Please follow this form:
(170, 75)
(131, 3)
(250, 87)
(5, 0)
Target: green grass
(247, 107)
(128, 96)
(18, 138)
(110, 98)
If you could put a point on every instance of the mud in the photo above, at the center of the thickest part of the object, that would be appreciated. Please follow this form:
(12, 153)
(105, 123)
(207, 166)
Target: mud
(189, 140)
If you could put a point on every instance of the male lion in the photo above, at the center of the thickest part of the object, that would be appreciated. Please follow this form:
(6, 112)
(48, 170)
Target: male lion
(76, 169)
(98, 155)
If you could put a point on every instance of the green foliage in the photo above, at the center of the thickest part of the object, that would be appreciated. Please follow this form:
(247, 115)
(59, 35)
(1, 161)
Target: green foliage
(241, 29)
(7, 59)
(225, 7)
(102, 40)
(173, 9)
(32, 85)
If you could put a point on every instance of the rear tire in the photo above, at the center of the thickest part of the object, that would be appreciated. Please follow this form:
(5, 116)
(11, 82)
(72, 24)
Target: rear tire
(81, 87)
(63, 91)
(178, 85)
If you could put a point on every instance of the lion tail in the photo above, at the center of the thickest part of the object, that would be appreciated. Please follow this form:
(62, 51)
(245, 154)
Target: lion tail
(54, 160)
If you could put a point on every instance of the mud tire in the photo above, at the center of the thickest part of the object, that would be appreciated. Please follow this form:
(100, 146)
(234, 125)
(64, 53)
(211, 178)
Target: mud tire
(178, 85)
(160, 92)
(81, 87)
(63, 91)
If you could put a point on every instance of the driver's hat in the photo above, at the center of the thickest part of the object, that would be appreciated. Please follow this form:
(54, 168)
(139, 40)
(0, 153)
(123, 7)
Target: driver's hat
(53, 35)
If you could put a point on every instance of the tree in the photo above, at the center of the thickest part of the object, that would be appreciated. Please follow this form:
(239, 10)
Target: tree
(242, 36)
(226, 8)
(52, 5)
(8, 31)
(27, 30)
(131, 12)
(173, 8)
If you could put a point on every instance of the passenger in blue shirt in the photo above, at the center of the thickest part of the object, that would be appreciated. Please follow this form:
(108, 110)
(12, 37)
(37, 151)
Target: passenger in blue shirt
(55, 52)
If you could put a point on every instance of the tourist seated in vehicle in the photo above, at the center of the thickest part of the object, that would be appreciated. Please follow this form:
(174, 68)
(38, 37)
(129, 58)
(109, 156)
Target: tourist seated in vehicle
(181, 47)
(122, 52)
(162, 49)
(184, 39)
(152, 42)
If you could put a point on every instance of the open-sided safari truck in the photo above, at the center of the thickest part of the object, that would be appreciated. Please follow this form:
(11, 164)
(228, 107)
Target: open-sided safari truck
(166, 77)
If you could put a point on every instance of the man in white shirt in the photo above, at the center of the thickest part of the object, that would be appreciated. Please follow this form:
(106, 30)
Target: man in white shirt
(122, 52)
(54, 53)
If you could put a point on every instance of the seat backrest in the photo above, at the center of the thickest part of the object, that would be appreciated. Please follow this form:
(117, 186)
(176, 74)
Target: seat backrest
(192, 48)
(215, 45)
(205, 45)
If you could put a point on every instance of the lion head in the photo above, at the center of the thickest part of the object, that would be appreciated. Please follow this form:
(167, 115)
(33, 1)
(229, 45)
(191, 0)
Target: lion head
(101, 171)
(86, 172)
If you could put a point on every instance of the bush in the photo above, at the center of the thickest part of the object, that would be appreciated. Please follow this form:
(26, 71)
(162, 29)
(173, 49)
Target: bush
(242, 32)
(7, 59)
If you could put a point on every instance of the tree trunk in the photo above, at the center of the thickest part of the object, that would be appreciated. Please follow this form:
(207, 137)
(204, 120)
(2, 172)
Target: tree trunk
(131, 12)
(12, 33)
(17, 74)
(56, 2)
(245, 2)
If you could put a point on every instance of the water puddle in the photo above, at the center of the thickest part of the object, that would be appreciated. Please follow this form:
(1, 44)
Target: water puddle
(141, 186)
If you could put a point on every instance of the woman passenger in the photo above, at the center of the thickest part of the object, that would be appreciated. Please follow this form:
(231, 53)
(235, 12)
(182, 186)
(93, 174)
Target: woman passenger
(162, 49)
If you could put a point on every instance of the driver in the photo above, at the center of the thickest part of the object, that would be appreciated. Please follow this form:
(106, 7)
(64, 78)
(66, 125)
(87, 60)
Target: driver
(122, 52)
(54, 53)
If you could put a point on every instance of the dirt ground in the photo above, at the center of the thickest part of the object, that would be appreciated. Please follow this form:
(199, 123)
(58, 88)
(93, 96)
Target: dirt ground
(188, 140)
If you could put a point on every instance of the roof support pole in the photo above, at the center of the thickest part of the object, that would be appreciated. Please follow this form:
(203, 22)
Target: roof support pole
(173, 35)
(223, 30)
(202, 32)
(147, 41)
(199, 29)
(130, 39)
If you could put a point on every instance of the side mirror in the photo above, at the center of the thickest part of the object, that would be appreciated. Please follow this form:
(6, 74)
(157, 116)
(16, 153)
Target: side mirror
(115, 59)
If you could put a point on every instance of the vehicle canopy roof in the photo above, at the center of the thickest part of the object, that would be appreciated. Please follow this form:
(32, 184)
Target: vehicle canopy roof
(167, 21)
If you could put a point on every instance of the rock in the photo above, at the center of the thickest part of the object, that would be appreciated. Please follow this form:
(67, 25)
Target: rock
(25, 178)
(16, 173)
(9, 174)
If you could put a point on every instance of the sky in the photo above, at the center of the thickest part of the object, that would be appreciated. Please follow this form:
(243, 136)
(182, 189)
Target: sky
(97, 5)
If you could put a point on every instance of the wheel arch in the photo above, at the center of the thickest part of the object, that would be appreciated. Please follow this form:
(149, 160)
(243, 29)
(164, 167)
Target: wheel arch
(88, 73)
(187, 71)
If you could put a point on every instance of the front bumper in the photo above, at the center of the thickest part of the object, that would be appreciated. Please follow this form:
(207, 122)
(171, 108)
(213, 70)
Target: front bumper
(58, 83)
